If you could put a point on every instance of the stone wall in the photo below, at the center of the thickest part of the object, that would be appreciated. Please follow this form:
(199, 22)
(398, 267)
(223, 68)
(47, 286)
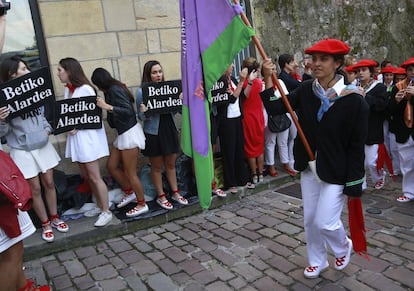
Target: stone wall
(377, 29)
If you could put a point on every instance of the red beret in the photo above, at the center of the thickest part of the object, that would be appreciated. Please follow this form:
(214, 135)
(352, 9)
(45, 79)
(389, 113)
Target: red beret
(409, 62)
(350, 69)
(329, 46)
(365, 63)
(400, 71)
(388, 69)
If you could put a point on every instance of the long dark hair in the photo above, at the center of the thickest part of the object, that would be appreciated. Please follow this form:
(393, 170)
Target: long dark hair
(9, 67)
(75, 72)
(103, 80)
(146, 74)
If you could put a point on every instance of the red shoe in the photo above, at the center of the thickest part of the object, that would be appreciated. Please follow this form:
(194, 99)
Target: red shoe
(290, 171)
(273, 174)
(272, 171)
(30, 287)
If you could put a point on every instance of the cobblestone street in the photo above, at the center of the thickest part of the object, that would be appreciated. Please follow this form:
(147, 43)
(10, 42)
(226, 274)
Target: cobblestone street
(254, 243)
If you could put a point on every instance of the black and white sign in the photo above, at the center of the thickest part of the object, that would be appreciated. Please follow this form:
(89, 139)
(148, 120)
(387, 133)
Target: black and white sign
(162, 97)
(77, 113)
(26, 93)
(219, 94)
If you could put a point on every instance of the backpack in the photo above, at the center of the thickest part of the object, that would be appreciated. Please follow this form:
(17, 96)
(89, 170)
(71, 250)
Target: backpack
(13, 185)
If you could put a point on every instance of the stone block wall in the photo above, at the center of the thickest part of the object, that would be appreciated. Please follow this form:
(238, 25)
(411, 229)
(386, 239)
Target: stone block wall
(377, 29)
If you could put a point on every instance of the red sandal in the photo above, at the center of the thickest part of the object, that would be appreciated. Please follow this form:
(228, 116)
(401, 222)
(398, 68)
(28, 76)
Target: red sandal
(164, 203)
(219, 192)
(47, 232)
(177, 197)
(137, 211)
(59, 224)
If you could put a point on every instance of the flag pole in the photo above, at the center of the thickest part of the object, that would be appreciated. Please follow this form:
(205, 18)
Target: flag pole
(282, 93)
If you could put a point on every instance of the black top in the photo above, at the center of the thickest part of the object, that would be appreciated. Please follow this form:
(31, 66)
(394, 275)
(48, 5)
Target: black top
(222, 110)
(290, 82)
(377, 99)
(402, 132)
(338, 139)
(123, 115)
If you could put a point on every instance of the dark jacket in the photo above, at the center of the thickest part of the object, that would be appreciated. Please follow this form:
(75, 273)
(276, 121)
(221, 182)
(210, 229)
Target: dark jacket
(338, 139)
(123, 116)
(377, 99)
(290, 82)
(402, 132)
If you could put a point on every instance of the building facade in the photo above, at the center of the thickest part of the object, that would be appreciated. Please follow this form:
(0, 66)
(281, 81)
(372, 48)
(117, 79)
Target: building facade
(118, 35)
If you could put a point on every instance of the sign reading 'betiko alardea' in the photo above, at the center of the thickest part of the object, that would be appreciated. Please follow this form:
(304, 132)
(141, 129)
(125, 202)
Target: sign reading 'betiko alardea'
(162, 97)
(219, 93)
(26, 93)
(77, 113)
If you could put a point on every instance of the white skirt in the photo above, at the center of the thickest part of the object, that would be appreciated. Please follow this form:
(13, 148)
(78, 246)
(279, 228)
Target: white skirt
(31, 163)
(87, 145)
(132, 138)
(26, 226)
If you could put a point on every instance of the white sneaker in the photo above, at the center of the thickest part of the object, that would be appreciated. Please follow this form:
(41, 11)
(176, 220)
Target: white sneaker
(104, 218)
(92, 212)
(314, 271)
(127, 199)
(341, 263)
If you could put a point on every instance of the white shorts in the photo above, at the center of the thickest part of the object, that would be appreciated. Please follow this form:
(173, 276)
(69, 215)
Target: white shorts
(132, 138)
(31, 163)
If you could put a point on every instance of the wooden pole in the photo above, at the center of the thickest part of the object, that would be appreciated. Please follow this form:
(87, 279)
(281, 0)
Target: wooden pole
(282, 93)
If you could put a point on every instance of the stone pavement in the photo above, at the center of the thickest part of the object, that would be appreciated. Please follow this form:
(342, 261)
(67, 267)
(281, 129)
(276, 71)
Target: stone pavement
(253, 240)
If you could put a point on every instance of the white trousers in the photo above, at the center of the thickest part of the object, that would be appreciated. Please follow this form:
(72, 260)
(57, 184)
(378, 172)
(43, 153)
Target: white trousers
(371, 157)
(394, 155)
(285, 141)
(270, 144)
(406, 151)
(322, 207)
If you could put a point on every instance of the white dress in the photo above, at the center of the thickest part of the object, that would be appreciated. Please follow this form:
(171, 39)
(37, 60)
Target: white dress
(86, 145)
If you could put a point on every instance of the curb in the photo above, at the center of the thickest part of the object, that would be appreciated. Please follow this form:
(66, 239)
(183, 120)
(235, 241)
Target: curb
(83, 233)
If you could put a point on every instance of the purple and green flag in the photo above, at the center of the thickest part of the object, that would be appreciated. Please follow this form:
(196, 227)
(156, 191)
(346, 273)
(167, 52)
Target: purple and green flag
(212, 34)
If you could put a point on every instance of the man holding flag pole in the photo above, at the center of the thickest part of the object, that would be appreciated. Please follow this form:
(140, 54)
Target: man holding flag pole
(323, 197)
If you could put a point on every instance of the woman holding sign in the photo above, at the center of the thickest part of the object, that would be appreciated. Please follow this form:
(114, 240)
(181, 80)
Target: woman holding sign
(162, 143)
(28, 138)
(118, 103)
(86, 146)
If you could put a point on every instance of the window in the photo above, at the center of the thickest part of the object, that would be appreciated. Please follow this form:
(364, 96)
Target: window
(24, 36)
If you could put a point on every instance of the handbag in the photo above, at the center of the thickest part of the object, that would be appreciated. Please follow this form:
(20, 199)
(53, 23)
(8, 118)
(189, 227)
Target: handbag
(278, 123)
(13, 185)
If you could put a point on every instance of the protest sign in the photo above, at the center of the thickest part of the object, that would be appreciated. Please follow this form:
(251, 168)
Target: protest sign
(219, 94)
(26, 93)
(77, 113)
(162, 97)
